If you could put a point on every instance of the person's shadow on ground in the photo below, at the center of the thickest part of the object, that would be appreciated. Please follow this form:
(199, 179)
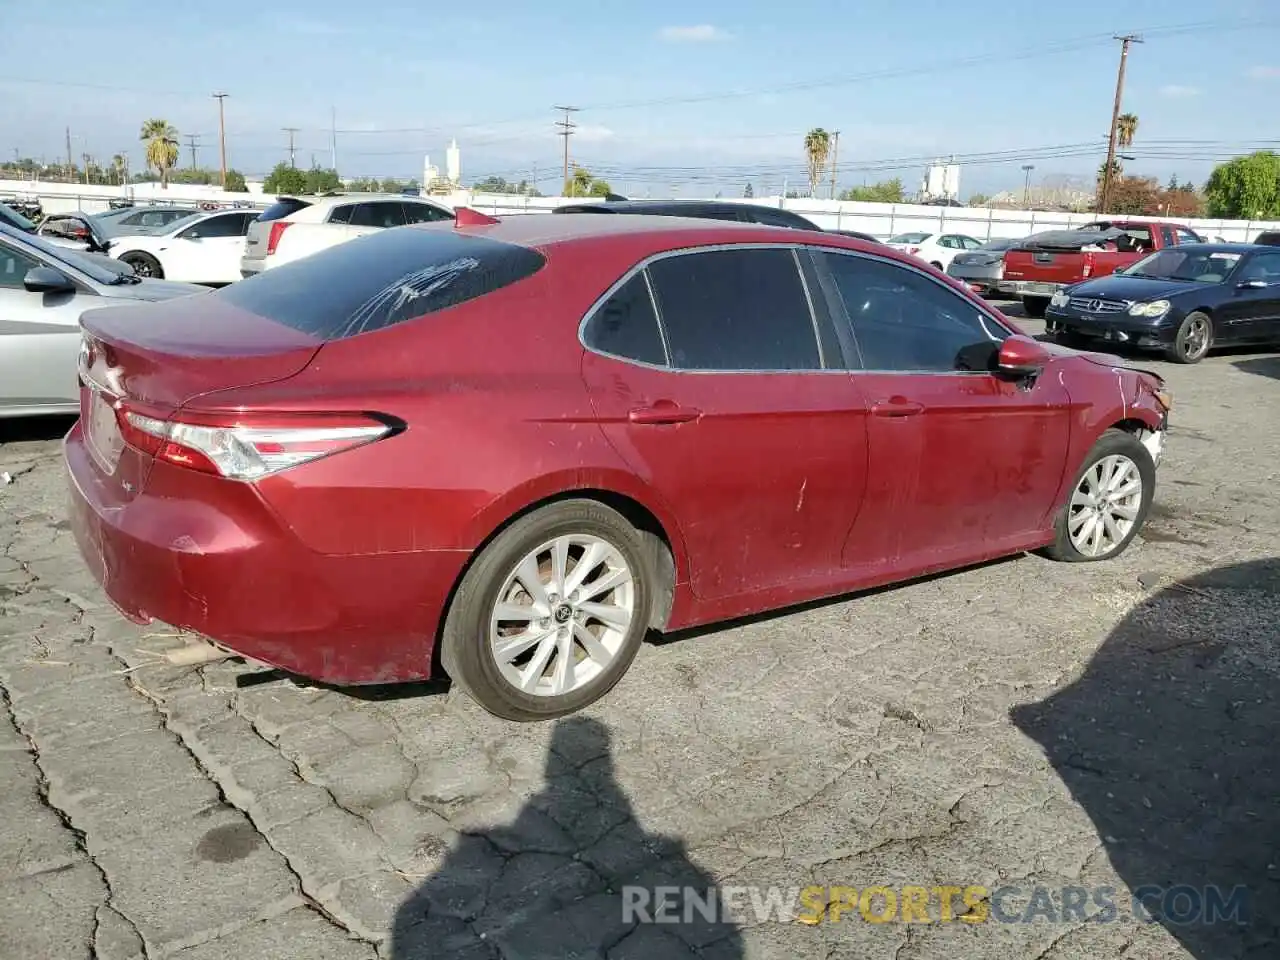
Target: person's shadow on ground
(1169, 742)
(572, 877)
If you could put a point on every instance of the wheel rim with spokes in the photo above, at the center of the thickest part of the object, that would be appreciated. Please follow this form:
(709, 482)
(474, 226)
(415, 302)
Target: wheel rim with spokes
(1105, 505)
(141, 267)
(1196, 340)
(562, 615)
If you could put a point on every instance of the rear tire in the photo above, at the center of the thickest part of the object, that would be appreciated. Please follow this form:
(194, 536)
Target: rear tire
(937, 266)
(1035, 306)
(144, 265)
(1193, 340)
(1101, 500)
(539, 650)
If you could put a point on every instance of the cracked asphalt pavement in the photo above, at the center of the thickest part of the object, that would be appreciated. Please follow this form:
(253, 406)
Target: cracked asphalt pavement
(1022, 724)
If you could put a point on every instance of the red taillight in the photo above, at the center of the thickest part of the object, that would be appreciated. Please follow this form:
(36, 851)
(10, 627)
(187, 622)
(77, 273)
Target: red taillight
(1088, 265)
(245, 446)
(277, 231)
(913, 249)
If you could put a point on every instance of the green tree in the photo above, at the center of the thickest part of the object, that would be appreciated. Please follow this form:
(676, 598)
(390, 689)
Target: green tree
(979, 200)
(1126, 129)
(1246, 188)
(817, 147)
(161, 139)
(886, 191)
(235, 182)
(583, 184)
(284, 179)
(320, 180)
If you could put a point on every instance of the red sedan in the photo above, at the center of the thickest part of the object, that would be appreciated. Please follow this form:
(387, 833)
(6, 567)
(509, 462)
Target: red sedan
(506, 450)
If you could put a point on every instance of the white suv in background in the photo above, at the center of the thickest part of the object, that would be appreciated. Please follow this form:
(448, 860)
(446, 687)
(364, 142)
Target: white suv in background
(294, 227)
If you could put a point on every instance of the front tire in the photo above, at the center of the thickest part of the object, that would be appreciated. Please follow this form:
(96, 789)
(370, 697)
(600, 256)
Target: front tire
(1035, 306)
(1108, 502)
(1194, 338)
(551, 613)
(144, 265)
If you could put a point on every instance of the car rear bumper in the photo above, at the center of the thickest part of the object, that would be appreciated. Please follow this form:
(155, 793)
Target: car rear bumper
(251, 267)
(984, 277)
(208, 555)
(1030, 288)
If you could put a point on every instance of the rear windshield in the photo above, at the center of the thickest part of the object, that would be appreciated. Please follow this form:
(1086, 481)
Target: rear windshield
(910, 238)
(281, 209)
(382, 279)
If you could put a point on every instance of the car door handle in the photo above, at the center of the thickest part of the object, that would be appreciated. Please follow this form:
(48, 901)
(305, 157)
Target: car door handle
(896, 407)
(663, 411)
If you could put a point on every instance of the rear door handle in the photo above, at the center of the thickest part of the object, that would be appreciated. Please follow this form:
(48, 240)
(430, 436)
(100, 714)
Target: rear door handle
(896, 407)
(662, 412)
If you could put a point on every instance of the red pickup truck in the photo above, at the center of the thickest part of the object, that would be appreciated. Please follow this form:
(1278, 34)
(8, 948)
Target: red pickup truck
(1044, 263)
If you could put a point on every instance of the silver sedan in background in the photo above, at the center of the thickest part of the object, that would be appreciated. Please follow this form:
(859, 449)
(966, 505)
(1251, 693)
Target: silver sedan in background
(981, 269)
(44, 289)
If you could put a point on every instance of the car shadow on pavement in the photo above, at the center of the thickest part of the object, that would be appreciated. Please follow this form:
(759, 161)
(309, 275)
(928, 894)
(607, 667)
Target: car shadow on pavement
(1262, 366)
(35, 429)
(1168, 742)
(373, 692)
(572, 876)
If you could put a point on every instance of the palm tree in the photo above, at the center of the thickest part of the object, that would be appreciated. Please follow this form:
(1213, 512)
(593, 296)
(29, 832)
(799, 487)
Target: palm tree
(1126, 129)
(161, 139)
(817, 147)
(118, 167)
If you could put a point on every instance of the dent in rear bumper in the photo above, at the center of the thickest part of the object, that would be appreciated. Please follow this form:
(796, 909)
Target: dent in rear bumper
(225, 568)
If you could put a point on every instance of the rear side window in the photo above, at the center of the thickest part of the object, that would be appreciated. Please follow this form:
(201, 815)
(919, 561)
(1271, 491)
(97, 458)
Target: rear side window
(735, 310)
(281, 209)
(383, 213)
(380, 280)
(423, 213)
(626, 326)
(341, 214)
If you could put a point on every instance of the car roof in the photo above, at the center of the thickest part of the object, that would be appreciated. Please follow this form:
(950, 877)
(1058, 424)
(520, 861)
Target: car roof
(648, 234)
(332, 200)
(1222, 247)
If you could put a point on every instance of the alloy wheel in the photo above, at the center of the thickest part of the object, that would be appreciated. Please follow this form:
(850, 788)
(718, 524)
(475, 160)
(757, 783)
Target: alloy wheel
(1104, 506)
(1196, 339)
(562, 615)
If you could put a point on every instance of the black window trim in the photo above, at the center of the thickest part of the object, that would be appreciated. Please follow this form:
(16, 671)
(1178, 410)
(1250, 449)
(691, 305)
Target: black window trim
(643, 267)
(844, 325)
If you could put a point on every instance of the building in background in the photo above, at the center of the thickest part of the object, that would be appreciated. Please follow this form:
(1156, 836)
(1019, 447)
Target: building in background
(941, 182)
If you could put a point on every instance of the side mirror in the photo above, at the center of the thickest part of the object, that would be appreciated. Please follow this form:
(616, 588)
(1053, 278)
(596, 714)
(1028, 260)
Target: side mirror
(1021, 356)
(47, 280)
(1251, 285)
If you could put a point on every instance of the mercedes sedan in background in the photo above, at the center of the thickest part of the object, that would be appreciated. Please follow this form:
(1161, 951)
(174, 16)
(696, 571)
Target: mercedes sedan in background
(523, 444)
(1183, 301)
(43, 291)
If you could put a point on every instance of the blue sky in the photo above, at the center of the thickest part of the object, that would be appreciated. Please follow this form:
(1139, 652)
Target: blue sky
(902, 82)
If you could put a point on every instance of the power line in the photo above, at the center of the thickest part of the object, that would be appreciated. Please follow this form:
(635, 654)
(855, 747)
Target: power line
(292, 149)
(193, 141)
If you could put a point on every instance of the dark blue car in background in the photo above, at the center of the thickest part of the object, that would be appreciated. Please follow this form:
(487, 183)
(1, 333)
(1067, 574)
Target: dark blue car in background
(1182, 300)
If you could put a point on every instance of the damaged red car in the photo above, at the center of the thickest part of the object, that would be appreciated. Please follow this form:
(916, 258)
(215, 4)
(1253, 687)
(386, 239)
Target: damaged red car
(505, 451)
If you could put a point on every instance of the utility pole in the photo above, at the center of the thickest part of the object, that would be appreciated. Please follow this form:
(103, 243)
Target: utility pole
(193, 142)
(69, 163)
(1105, 196)
(222, 135)
(835, 152)
(292, 150)
(567, 131)
(1026, 187)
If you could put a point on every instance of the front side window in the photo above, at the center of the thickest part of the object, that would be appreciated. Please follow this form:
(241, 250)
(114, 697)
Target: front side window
(626, 326)
(231, 225)
(1186, 236)
(903, 321)
(741, 309)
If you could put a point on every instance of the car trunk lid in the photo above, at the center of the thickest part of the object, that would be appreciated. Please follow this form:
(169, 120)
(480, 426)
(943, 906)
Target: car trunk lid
(153, 359)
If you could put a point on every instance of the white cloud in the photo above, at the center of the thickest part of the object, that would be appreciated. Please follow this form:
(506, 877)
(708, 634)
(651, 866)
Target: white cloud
(702, 33)
(1177, 91)
(1264, 73)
